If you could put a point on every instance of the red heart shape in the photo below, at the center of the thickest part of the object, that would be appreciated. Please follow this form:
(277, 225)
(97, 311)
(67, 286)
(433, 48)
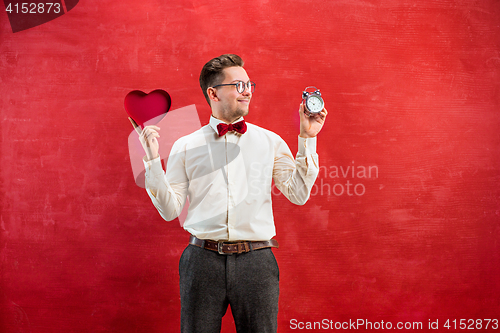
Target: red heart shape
(143, 107)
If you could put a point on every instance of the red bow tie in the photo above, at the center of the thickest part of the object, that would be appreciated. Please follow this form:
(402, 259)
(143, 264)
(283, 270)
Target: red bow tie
(239, 127)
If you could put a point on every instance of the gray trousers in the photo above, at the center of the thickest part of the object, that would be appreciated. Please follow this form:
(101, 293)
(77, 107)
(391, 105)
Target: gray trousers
(248, 282)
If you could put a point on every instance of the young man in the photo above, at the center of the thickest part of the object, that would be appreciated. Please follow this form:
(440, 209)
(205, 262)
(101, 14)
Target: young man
(225, 169)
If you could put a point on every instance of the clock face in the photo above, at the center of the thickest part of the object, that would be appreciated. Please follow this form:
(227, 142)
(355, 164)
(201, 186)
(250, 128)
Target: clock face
(314, 104)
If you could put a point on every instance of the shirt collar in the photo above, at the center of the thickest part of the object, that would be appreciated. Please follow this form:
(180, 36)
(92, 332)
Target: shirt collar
(214, 122)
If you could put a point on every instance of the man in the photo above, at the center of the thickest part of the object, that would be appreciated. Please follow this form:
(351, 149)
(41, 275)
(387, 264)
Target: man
(229, 259)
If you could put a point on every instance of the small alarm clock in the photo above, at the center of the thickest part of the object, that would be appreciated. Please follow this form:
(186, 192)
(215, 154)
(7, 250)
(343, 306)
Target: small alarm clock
(313, 101)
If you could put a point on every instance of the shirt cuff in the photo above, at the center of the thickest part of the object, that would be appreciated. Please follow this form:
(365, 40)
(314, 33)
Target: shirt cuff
(153, 167)
(307, 146)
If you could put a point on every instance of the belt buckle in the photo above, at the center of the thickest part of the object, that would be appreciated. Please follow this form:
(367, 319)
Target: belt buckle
(220, 245)
(220, 248)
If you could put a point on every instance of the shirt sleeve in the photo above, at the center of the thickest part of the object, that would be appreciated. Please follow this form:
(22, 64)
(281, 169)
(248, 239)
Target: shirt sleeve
(295, 177)
(167, 190)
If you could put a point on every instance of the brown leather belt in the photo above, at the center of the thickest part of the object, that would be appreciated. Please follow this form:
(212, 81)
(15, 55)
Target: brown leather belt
(223, 247)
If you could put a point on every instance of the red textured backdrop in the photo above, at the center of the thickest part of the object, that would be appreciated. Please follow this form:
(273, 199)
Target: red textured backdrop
(413, 91)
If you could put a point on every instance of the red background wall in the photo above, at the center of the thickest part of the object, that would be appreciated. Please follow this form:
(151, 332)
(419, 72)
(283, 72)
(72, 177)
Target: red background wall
(412, 88)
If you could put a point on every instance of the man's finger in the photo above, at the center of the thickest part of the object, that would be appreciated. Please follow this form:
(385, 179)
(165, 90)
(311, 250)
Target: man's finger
(153, 135)
(149, 131)
(153, 127)
(303, 111)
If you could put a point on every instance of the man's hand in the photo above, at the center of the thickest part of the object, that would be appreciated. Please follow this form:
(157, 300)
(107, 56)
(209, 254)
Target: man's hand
(311, 124)
(149, 142)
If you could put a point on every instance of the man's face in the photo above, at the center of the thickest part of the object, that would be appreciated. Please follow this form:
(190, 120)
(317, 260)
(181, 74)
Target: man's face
(232, 104)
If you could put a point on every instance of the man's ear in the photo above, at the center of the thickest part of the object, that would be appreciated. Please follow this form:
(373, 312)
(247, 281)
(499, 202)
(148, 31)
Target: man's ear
(212, 94)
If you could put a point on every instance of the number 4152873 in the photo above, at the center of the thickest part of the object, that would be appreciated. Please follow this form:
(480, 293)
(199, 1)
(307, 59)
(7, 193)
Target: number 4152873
(34, 8)
(471, 324)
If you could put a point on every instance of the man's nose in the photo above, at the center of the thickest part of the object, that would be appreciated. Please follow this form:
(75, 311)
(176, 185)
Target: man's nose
(247, 91)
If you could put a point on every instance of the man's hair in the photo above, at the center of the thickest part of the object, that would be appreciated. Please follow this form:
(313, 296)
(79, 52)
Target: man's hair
(211, 74)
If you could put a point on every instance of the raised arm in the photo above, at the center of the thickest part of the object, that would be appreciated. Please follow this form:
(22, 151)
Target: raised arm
(295, 177)
(168, 191)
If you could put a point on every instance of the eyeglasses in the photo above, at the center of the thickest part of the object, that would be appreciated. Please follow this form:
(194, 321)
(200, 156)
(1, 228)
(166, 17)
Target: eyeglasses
(240, 86)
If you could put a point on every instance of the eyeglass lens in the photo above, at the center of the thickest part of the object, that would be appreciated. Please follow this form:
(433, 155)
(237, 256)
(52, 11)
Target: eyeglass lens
(241, 86)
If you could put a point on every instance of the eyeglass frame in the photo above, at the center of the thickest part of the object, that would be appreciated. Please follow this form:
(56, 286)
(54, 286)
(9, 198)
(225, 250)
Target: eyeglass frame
(248, 85)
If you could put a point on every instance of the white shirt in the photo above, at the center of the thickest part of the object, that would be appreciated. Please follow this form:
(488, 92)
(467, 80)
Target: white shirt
(228, 181)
